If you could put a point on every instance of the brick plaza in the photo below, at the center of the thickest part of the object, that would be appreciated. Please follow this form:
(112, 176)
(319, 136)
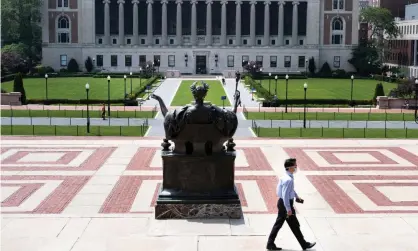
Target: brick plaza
(64, 193)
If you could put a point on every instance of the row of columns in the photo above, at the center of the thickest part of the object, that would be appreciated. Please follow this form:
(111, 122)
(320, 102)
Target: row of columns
(223, 41)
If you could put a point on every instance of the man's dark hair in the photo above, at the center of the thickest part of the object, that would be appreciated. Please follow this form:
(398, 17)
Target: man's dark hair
(289, 163)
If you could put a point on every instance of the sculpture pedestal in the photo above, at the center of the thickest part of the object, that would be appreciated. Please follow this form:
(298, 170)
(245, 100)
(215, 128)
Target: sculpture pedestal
(198, 187)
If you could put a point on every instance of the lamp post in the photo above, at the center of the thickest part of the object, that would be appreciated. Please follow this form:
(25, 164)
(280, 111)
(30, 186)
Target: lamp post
(352, 83)
(88, 114)
(130, 76)
(269, 82)
(261, 74)
(275, 88)
(108, 96)
(306, 68)
(305, 87)
(416, 100)
(124, 93)
(287, 81)
(140, 78)
(46, 86)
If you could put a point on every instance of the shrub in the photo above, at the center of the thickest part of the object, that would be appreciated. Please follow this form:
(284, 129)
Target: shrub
(312, 66)
(281, 102)
(73, 66)
(405, 89)
(261, 92)
(325, 70)
(253, 68)
(18, 87)
(339, 74)
(378, 91)
(63, 70)
(88, 64)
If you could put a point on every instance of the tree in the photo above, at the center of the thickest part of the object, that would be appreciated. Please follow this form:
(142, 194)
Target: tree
(20, 21)
(73, 66)
(405, 89)
(18, 87)
(382, 26)
(325, 70)
(148, 69)
(365, 58)
(312, 66)
(12, 63)
(253, 68)
(378, 91)
(89, 64)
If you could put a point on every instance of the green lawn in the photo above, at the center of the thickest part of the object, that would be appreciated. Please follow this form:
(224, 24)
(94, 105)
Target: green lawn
(75, 114)
(73, 130)
(74, 88)
(321, 88)
(336, 133)
(184, 95)
(330, 116)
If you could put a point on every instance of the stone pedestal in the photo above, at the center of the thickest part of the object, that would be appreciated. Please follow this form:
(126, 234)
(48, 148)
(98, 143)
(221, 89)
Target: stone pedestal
(198, 186)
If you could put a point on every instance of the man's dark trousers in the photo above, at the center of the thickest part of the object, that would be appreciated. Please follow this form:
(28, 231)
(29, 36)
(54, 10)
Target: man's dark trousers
(292, 221)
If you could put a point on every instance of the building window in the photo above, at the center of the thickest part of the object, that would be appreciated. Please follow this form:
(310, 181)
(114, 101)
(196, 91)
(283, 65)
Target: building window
(63, 60)
(142, 41)
(230, 61)
(231, 41)
(273, 61)
(171, 41)
(171, 60)
(100, 41)
(287, 41)
(245, 60)
(259, 61)
(337, 62)
(114, 60)
(301, 42)
(128, 60)
(287, 61)
(338, 4)
(63, 30)
(62, 3)
(114, 41)
(128, 41)
(259, 41)
(337, 31)
(301, 61)
(157, 41)
(142, 60)
(99, 60)
(273, 42)
(157, 60)
(244, 41)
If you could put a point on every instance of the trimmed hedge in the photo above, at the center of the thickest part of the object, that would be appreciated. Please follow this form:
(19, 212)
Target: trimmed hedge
(281, 102)
(261, 92)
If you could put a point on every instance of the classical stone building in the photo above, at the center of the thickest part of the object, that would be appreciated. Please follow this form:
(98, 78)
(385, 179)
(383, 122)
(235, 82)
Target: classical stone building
(200, 36)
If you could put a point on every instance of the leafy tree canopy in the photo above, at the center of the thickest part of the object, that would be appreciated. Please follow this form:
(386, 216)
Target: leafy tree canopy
(380, 21)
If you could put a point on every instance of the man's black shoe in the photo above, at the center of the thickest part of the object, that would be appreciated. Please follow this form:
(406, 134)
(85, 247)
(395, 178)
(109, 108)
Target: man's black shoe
(309, 245)
(273, 247)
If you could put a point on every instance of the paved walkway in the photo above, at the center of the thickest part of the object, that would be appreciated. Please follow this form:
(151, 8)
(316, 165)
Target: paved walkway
(97, 194)
(245, 94)
(249, 109)
(157, 128)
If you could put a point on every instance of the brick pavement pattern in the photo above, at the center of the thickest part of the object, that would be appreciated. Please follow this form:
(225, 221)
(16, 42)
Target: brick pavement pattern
(98, 194)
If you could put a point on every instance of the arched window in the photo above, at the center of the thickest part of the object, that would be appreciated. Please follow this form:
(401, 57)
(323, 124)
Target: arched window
(63, 30)
(62, 3)
(337, 31)
(338, 4)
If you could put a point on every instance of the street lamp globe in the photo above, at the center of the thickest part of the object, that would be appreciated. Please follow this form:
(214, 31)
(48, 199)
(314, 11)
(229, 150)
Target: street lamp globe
(275, 77)
(108, 78)
(130, 73)
(261, 69)
(269, 74)
(416, 81)
(46, 75)
(140, 68)
(87, 86)
(287, 76)
(124, 76)
(305, 86)
(352, 76)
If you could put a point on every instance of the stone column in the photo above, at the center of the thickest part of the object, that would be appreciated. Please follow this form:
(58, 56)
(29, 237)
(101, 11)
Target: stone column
(295, 23)
(135, 22)
(252, 23)
(312, 27)
(238, 22)
(121, 22)
(209, 22)
(164, 22)
(281, 24)
(106, 39)
(266, 38)
(149, 23)
(223, 22)
(415, 52)
(179, 32)
(194, 23)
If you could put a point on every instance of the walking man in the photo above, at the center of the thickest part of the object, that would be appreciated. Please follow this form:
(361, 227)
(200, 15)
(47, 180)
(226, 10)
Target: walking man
(286, 193)
(103, 112)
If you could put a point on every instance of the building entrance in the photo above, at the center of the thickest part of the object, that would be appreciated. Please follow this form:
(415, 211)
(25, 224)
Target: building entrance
(201, 64)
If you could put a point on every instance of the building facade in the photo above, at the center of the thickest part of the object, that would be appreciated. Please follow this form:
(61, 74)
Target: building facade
(194, 36)
(403, 51)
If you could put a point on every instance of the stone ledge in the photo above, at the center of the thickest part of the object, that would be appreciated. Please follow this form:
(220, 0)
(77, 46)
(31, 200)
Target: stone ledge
(198, 211)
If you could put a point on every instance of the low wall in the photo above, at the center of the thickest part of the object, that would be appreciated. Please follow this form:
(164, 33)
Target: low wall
(11, 98)
(172, 74)
(384, 102)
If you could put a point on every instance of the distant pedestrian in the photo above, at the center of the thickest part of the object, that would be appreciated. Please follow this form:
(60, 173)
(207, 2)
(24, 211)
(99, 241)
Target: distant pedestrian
(223, 80)
(286, 193)
(103, 112)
